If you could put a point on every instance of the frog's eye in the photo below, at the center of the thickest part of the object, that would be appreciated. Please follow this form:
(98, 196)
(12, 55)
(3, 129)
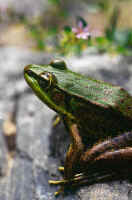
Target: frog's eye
(46, 75)
(48, 78)
(59, 64)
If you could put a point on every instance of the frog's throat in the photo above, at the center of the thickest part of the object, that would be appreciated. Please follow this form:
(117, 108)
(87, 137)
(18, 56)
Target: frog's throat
(44, 98)
(53, 106)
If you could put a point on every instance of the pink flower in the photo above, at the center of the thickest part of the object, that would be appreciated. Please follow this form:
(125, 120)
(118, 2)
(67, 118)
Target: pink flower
(84, 32)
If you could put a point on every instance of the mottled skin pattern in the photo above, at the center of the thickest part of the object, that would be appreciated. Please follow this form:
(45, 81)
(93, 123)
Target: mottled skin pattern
(98, 115)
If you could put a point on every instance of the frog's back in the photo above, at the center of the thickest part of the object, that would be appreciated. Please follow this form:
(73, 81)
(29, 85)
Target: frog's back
(96, 92)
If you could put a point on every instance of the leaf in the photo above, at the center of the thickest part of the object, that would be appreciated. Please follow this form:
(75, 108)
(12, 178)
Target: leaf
(67, 29)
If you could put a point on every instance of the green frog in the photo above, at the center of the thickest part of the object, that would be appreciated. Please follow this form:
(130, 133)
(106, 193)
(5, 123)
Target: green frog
(97, 115)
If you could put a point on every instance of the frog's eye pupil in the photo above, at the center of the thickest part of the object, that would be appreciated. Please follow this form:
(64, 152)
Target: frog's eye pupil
(46, 76)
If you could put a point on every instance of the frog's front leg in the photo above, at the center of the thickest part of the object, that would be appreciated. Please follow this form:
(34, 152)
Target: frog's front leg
(75, 151)
(72, 157)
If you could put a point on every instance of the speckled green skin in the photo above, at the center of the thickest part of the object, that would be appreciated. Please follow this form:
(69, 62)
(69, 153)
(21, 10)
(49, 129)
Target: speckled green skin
(98, 109)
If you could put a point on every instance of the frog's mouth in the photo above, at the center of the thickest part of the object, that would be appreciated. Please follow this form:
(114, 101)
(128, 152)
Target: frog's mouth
(29, 74)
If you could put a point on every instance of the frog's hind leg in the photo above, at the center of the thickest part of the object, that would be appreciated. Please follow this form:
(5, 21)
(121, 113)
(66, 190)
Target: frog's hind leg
(119, 160)
(110, 165)
(114, 155)
(113, 144)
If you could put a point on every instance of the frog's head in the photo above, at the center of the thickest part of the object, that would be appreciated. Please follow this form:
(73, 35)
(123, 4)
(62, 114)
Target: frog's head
(43, 79)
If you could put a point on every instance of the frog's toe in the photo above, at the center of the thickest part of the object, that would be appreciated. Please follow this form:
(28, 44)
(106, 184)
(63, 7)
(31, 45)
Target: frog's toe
(60, 182)
(60, 191)
(61, 169)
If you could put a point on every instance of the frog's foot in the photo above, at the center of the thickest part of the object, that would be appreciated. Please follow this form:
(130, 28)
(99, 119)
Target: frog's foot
(61, 183)
(65, 183)
(60, 191)
(79, 179)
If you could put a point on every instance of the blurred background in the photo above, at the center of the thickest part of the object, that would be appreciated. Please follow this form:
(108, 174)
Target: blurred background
(43, 25)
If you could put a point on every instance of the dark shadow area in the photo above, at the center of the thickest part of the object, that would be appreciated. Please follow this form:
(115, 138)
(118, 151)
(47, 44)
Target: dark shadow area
(59, 141)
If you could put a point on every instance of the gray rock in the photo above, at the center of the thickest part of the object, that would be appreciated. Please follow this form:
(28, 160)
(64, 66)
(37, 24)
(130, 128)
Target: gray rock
(29, 8)
(39, 149)
(33, 8)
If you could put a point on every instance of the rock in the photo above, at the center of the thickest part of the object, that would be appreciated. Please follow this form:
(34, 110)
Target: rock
(28, 8)
(33, 8)
(40, 149)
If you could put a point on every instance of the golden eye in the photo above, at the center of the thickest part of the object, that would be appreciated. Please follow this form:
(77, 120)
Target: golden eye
(46, 75)
(49, 77)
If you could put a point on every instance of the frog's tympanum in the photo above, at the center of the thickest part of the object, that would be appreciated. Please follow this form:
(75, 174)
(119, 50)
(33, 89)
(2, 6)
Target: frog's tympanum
(97, 115)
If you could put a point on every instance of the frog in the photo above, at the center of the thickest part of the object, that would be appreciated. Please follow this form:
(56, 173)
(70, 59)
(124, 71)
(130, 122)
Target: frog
(96, 114)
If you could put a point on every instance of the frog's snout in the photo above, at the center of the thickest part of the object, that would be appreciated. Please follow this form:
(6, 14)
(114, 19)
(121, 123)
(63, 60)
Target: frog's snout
(28, 71)
(27, 68)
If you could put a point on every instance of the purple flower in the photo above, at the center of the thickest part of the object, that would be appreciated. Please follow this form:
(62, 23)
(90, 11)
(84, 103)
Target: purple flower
(83, 32)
